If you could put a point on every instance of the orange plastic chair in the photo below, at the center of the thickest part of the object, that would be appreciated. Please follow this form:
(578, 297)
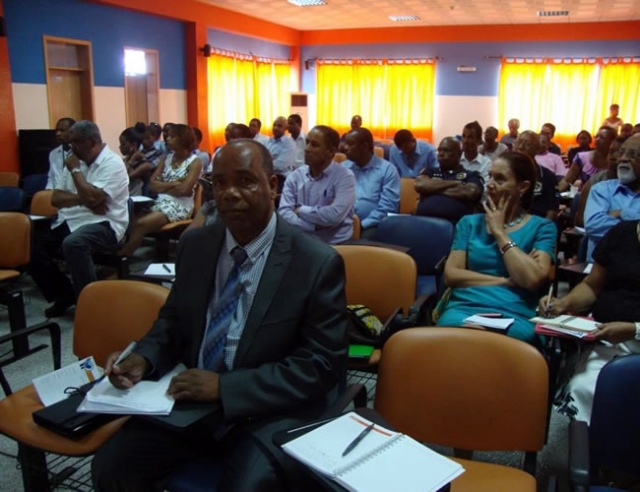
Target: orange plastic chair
(41, 204)
(9, 179)
(471, 390)
(99, 329)
(15, 244)
(379, 151)
(408, 196)
(357, 228)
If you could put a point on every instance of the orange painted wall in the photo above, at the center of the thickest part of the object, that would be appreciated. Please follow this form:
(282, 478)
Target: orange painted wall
(592, 31)
(8, 135)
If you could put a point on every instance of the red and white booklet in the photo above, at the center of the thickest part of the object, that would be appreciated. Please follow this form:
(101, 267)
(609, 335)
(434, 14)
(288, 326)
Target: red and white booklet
(566, 325)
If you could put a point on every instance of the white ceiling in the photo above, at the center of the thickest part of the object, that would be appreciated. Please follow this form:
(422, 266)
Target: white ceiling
(343, 14)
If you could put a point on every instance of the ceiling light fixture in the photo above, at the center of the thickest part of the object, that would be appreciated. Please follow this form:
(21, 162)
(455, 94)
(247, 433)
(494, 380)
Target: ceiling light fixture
(404, 18)
(553, 13)
(307, 3)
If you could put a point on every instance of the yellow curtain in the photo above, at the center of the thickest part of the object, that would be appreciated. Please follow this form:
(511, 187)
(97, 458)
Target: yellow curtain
(572, 96)
(241, 89)
(620, 84)
(388, 96)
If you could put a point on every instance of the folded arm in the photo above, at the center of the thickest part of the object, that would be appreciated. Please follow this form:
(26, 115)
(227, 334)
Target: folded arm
(456, 273)
(598, 216)
(389, 199)
(336, 212)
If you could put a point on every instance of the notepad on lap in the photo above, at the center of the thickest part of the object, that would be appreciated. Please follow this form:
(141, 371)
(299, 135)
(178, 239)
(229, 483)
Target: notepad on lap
(383, 461)
(495, 323)
(161, 269)
(573, 323)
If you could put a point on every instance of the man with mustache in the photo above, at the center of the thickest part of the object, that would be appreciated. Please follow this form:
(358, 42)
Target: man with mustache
(615, 200)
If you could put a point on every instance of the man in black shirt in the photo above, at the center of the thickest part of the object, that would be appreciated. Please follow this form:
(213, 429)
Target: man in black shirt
(449, 191)
(546, 197)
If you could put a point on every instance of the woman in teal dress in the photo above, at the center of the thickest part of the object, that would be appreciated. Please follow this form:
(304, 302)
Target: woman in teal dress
(500, 260)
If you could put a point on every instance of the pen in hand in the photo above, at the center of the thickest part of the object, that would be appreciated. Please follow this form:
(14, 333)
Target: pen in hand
(123, 355)
(357, 440)
(548, 305)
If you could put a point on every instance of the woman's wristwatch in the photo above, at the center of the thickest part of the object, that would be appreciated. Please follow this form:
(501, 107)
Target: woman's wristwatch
(637, 337)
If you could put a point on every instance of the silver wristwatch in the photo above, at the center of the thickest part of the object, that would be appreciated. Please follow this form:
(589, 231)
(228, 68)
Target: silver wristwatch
(76, 170)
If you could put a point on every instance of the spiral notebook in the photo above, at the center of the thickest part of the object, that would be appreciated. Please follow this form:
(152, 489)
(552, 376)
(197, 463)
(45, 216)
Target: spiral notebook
(384, 460)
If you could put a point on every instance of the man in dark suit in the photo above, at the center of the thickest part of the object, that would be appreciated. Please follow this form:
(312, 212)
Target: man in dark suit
(282, 353)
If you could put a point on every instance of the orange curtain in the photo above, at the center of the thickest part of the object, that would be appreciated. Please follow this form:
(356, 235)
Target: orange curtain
(573, 96)
(241, 88)
(389, 95)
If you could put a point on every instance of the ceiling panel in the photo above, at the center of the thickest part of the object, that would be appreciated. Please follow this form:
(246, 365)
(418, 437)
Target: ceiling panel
(342, 14)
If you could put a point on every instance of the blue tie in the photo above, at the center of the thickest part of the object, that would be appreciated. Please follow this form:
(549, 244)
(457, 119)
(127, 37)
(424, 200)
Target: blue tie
(222, 312)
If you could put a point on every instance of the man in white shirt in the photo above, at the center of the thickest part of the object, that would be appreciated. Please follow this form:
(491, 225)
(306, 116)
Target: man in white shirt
(283, 151)
(58, 155)
(255, 125)
(92, 200)
(471, 159)
(294, 125)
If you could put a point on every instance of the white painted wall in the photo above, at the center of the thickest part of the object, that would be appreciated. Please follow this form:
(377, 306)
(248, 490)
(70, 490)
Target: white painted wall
(32, 109)
(173, 106)
(451, 113)
(31, 106)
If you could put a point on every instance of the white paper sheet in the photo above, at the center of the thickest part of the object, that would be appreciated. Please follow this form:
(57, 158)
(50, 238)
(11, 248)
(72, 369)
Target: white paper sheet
(161, 269)
(50, 387)
(495, 323)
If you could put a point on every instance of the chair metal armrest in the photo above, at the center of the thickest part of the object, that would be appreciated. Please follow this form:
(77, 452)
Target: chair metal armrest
(54, 335)
(579, 455)
(419, 309)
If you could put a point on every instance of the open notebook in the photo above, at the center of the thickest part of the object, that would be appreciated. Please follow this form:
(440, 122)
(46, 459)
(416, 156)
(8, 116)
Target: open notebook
(572, 323)
(384, 460)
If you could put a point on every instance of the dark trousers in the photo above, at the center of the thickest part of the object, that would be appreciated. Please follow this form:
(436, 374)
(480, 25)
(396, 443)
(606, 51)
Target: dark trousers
(369, 233)
(77, 249)
(142, 456)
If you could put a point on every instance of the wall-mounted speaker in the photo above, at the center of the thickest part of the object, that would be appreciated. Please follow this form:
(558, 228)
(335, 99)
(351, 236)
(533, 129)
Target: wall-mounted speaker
(206, 50)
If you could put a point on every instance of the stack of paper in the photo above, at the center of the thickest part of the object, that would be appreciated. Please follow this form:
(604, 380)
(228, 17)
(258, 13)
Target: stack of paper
(145, 398)
(567, 322)
(384, 460)
(51, 387)
(495, 323)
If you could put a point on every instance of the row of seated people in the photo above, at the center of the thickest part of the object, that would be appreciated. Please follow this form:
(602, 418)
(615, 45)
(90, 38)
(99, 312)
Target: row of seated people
(244, 186)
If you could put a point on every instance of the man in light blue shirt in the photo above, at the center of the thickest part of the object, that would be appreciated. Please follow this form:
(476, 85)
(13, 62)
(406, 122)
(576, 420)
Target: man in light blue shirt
(411, 157)
(294, 125)
(283, 151)
(319, 196)
(377, 182)
(615, 200)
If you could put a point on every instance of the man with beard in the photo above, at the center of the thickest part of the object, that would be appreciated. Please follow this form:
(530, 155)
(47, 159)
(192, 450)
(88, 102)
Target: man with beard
(615, 200)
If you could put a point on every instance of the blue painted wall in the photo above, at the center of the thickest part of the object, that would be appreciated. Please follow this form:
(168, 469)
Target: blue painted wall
(109, 30)
(450, 82)
(245, 44)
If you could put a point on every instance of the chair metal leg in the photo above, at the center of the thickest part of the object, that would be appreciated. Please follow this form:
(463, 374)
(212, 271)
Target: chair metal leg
(34, 469)
(17, 320)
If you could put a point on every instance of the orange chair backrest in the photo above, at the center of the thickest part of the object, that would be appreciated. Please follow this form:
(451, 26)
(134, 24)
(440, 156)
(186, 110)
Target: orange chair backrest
(112, 313)
(15, 239)
(357, 228)
(380, 278)
(41, 203)
(408, 196)
(465, 388)
(9, 179)
(379, 151)
(340, 157)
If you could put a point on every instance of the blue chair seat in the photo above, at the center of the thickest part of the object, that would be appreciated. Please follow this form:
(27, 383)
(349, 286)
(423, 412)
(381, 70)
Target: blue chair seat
(426, 285)
(10, 199)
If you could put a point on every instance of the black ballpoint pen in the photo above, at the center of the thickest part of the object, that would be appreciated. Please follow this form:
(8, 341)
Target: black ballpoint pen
(357, 440)
(166, 268)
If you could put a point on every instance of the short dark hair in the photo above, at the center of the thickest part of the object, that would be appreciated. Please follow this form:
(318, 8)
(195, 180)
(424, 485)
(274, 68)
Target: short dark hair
(614, 106)
(69, 121)
(475, 126)
(552, 126)
(240, 130)
(140, 127)
(267, 160)
(198, 133)
(155, 129)
(131, 135)
(257, 121)
(331, 136)
(364, 136)
(402, 137)
(584, 132)
(296, 118)
(185, 136)
(491, 129)
(523, 168)
(611, 131)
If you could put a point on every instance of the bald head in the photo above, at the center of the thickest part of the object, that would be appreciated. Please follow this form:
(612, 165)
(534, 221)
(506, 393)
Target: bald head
(279, 126)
